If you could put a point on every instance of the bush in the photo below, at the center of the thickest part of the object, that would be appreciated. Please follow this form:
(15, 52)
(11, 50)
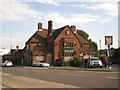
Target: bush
(58, 62)
(101, 58)
(61, 62)
(65, 63)
(76, 62)
(115, 56)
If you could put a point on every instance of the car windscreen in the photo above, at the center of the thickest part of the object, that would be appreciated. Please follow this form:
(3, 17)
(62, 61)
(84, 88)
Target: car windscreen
(94, 59)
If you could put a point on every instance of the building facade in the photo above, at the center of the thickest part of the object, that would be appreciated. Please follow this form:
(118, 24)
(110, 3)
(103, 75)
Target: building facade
(49, 44)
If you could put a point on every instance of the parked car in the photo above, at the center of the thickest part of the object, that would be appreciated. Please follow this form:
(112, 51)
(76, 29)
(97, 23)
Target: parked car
(41, 64)
(94, 62)
(7, 64)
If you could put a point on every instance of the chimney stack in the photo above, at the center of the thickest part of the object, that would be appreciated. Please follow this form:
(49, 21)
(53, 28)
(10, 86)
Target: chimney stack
(49, 27)
(39, 26)
(73, 28)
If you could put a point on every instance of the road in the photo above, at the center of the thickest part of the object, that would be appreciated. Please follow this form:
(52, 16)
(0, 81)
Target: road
(31, 77)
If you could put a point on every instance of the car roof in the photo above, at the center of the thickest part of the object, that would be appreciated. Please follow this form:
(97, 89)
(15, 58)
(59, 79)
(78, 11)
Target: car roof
(94, 58)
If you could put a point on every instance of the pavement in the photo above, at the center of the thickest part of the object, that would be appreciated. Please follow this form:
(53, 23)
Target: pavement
(112, 68)
(18, 82)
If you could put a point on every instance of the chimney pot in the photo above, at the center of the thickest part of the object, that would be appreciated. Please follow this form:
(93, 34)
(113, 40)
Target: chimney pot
(49, 27)
(73, 28)
(39, 26)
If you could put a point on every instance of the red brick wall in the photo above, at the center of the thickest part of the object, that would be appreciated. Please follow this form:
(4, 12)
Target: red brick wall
(85, 46)
(67, 38)
(33, 46)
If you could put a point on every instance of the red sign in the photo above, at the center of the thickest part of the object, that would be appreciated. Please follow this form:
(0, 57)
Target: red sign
(108, 40)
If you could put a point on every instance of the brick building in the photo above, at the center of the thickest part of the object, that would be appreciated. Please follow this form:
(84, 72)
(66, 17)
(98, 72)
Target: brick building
(15, 56)
(49, 44)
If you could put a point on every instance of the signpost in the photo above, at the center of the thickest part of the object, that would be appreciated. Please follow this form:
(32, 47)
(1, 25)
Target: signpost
(108, 42)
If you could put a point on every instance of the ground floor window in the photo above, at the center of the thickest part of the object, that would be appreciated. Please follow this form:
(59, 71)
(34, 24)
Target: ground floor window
(68, 54)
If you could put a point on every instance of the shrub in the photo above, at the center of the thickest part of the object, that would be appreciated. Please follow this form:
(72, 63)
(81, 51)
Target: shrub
(101, 58)
(58, 62)
(76, 62)
(61, 62)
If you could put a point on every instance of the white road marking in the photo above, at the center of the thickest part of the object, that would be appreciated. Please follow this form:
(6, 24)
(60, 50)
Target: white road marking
(7, 74)
(113, 77)
(73, 75)
(36, 67)
(84, 71)
(106, 72)
(42, 71)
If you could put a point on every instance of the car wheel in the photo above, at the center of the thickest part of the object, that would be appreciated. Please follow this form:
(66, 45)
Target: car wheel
(90, 66)
(34, 65)
(40, 65)
(100, 66)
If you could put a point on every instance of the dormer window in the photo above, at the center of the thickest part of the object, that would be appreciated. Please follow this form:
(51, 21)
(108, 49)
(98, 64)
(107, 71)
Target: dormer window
(67, 32)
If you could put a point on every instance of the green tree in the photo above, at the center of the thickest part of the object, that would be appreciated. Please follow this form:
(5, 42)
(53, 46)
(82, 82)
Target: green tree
(61, 62)
(76, 62)
(93, 45)
(83, 34)
(115, 56)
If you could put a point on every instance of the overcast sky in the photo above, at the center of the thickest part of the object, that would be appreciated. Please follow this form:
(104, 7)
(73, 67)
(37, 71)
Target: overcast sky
(19, 18)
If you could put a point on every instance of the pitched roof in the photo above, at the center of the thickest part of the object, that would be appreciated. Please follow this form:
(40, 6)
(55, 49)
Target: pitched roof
(41, 36)
(81, 39)
(57, 32)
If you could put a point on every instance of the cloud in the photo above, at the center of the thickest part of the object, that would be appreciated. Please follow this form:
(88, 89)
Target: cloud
(49, 2)
(6, 42)
(83, 18)
(16, 11)
(68, 19)
(57, 17)
(109, 8)
(106, 7)
(7, 39)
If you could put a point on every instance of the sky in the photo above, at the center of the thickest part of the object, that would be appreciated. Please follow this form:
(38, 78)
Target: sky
(19, 18)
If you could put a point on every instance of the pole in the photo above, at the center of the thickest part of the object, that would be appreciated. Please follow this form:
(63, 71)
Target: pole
(100, 44)
(108, 50)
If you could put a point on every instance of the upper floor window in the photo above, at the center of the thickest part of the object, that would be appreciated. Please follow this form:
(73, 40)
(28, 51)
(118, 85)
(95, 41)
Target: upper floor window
(39, 45)
(67, 32)
(68, 45)
(27, 46)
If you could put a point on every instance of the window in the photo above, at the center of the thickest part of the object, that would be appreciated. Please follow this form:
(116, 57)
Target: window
(68, 54)
(67, 32)
(27, 46)
(68, 45)
(39, 45)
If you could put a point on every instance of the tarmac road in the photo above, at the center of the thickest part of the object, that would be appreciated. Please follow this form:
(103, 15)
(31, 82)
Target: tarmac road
(31, 77)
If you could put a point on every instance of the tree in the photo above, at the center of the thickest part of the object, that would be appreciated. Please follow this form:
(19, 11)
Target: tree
(92, 44)
(115, 56)
(76, 62)
(83, 34)
(61, 62)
